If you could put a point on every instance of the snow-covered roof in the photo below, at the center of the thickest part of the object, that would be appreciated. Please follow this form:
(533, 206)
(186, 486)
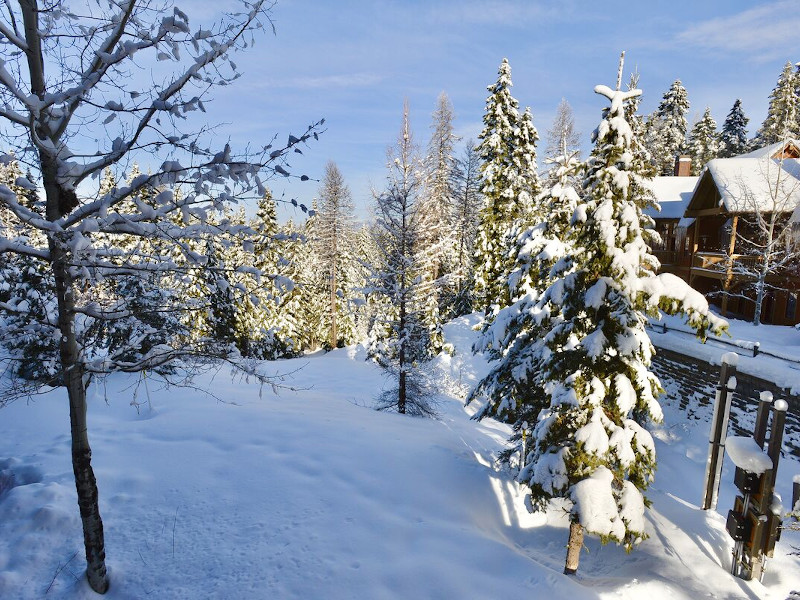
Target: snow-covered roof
(759, 180)
(771, 150)
(673, 194)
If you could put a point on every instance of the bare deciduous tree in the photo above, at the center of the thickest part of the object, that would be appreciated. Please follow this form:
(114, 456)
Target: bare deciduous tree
(764, 251)
(562, 133)
(71, 107)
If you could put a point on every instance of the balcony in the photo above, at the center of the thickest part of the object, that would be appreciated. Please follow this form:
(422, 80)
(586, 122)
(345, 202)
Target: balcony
(715, 265)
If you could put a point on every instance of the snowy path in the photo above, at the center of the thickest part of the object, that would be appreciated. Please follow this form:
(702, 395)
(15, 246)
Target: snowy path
(314, 495)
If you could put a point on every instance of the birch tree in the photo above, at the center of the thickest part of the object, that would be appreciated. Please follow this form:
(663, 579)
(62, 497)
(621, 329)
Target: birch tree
(68, 76)
(766, 248)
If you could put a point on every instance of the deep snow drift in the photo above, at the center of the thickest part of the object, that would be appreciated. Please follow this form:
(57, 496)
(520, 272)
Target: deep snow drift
(313, 494)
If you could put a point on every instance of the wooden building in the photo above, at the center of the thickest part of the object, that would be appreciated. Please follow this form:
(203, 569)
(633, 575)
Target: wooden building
(673, 194)
(732, 200)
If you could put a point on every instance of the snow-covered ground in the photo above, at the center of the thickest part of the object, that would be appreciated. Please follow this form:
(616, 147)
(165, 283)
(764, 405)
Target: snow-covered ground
(312, 494)
(783, 342)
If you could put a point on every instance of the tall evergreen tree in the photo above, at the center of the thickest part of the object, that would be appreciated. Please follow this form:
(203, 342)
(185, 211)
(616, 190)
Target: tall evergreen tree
(524, 157)
(512, 340)
(666, 128)
(333, 245)
(733, 139)
(591, 376)
(314, 285)
(399, 280)
(703, 142)
(26, 289)
(783, 114)
(437, 209)
(507, 150)
(466, 217)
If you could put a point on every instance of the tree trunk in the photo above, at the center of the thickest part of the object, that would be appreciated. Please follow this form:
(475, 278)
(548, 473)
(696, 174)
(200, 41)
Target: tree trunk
(333, 333)
(759, 301)
(574, 548)
(61, 201)
(401, 359)
(73, 379)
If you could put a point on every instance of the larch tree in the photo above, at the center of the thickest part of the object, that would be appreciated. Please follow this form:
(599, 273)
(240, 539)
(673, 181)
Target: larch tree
(398, 279)
(466, 217)
(438, 209)
(733, 138)
(507, 151)
(666, 128)
(562, 132)
(592, 380)
(67, 78)
(783, 114)
(336, 218)
(703, 143)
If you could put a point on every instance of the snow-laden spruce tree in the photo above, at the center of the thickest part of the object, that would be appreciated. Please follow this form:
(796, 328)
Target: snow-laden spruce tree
(783, 114)
(314, 285)
(590, 446)
(733, 138)
(513, 340)
(703, 143)
(333, 245)
(666, 128)
(72, 106)
(509, 180)
(403, 339)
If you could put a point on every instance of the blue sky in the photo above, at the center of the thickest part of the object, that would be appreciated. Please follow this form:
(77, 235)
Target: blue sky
(353, 63)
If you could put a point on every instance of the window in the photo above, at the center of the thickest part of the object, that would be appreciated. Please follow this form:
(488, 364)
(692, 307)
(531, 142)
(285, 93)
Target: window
(791, 305)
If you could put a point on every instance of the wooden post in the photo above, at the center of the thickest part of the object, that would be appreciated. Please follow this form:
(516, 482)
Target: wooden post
(760, 548)
(729, 270)
(692, 250)
(779, 408)
(762, 418)
(719, 429)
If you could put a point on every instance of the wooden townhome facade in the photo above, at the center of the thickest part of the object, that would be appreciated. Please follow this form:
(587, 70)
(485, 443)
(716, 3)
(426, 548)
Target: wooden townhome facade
(715, 229)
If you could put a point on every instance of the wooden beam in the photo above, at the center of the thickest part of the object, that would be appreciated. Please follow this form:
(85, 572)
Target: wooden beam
(704, 212)
(729, 269)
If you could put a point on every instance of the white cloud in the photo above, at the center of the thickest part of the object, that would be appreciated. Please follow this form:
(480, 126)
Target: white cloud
(764, 32)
